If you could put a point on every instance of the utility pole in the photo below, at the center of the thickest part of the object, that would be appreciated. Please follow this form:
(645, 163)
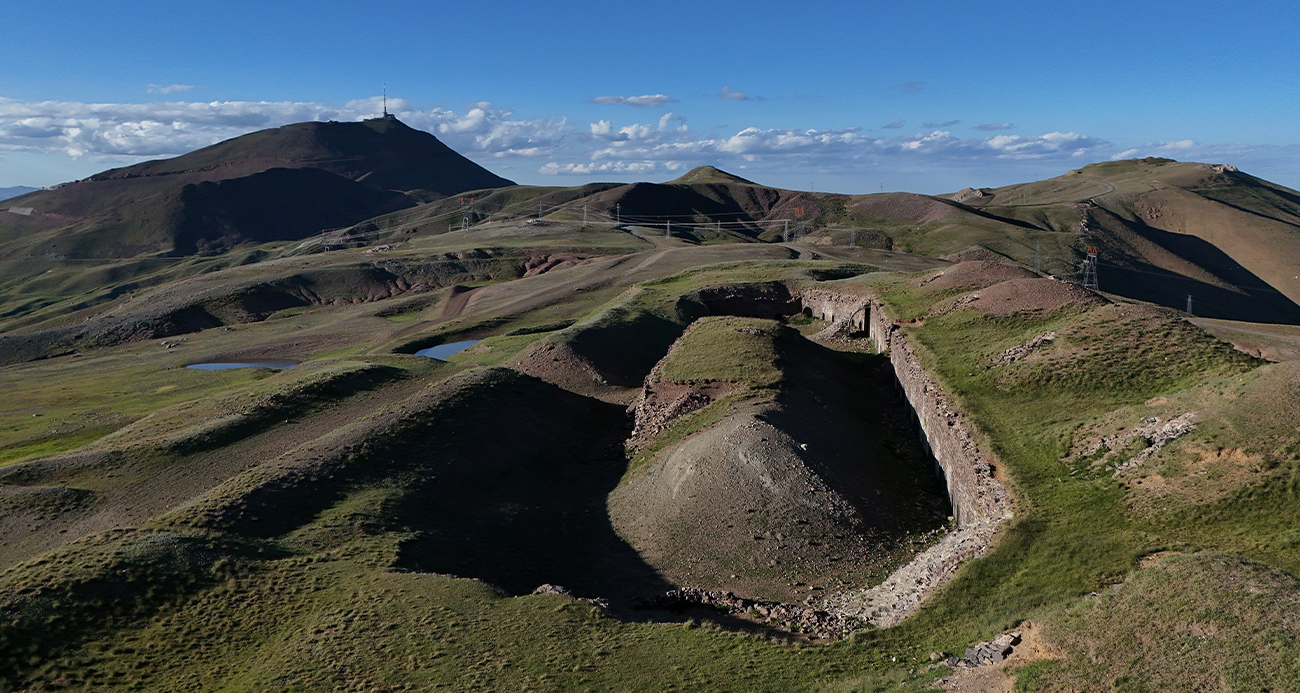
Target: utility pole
(1036, 262)
(853, 238)
(584, 216)
(618, 214)
(1189, 305)
(668, 229)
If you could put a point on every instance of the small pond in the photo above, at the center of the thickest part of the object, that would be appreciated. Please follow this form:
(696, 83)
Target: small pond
(442, 351)
(275, 364)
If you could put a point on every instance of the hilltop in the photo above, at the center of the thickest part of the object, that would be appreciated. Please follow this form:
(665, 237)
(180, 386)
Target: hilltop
(259, 187)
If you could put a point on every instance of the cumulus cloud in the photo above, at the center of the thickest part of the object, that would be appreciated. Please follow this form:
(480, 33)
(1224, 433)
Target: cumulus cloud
(122, 132)
(944, 124)
(118, 134)
(645, 100)
(843, 149)
(169, 88)
(554, 169)
(989, 127)
(732, 95)
(896, 125)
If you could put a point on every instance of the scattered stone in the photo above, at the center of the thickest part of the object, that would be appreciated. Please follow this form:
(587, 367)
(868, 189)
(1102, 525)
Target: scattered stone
(988, 653)
(812, 622)
(1020, 351)
(1157, 432)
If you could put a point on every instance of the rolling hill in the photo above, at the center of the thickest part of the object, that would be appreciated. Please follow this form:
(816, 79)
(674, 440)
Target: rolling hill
(259, 187)
(677, 449)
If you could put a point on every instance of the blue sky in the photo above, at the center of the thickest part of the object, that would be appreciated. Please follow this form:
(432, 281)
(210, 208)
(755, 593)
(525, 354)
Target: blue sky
(852, 97)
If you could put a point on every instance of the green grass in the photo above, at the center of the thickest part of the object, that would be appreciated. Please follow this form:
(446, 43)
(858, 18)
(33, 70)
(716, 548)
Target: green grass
(1071, 535)
(730, 349)
(1195, 622)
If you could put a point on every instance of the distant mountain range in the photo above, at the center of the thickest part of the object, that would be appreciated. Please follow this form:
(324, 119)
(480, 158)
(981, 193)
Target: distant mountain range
(6, 193)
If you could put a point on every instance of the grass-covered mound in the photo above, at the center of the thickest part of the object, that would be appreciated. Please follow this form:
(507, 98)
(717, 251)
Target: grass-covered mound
(773, 466)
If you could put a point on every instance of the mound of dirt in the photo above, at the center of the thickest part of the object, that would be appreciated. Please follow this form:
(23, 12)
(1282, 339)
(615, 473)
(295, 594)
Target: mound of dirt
(606, 358)
(1031, 295)
(808, 484)
(740, 505)
(978, 252)
(972, 274)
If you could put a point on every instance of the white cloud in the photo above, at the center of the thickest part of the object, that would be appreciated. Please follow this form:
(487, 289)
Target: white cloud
(118, 134)
(732, 95)
(123, 132)
(643, 101)
(169, 88)
(986, 127)
(944, 124)
(554, 169)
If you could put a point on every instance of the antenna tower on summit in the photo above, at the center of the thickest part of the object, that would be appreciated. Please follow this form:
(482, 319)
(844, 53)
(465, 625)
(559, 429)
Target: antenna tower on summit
(1090, 269)
(387, 115)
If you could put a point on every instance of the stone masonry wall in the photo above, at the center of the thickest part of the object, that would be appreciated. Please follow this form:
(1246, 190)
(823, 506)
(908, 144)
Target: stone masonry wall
(980, 502)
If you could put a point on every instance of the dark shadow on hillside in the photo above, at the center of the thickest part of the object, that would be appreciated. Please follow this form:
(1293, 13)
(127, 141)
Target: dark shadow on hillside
(860, 436)
(1255, 301)
(513, 492)
(1149, 283)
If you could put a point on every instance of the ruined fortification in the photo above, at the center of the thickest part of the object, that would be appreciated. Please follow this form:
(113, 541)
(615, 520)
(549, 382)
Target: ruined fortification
(979, 500)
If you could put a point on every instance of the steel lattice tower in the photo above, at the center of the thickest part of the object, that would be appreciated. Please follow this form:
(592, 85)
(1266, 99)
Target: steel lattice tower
(1090, 269)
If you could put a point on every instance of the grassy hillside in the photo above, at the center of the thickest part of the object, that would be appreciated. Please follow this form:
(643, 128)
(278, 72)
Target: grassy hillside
(644, 413)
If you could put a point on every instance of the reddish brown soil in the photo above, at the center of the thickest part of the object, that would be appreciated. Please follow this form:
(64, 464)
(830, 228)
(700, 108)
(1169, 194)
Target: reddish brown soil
(972, 274)
(1032, 295)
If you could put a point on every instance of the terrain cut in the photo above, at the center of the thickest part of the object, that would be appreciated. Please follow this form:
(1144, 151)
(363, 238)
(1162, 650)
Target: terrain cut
(802, 484)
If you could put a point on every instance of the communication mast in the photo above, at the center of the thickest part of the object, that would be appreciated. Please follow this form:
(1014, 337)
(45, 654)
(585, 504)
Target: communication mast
(1090, 269)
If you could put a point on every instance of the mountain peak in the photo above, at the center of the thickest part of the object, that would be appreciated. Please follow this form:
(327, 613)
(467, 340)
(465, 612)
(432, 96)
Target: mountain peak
(710, 174)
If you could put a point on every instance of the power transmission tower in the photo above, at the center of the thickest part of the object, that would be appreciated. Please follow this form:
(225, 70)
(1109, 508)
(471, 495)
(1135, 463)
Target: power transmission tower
(1090, 270)
(786, 235)
(1189, 305)
(539, 209)
(584, 216)
(853, 238)
(668, 229)
(618, 214)
(1037, 264)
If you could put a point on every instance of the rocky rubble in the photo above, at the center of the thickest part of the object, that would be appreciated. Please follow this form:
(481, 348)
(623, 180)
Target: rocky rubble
(791, 617)
(548, 588)
(987, 653)
(1158, 433)
(898, 597)
(1020, 351)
